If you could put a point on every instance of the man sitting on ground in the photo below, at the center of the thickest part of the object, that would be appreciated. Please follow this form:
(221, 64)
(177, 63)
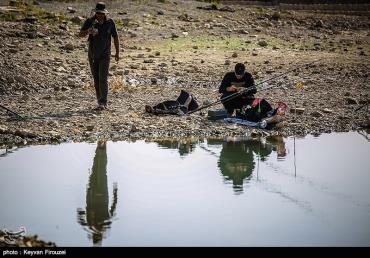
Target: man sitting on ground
(234, 82)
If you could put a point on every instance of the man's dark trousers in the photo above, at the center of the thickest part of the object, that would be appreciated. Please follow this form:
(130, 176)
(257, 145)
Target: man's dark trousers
(99, 69)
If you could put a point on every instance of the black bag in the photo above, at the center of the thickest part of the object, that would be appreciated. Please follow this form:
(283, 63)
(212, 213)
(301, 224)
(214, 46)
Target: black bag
(183, 104)
(258, 110)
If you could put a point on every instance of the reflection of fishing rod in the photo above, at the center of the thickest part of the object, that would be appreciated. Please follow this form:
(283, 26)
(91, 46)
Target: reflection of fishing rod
(259, 155)
(207, 150)
(236, 94)
(295, 166)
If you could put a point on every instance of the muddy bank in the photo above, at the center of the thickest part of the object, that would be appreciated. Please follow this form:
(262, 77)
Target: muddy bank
(176, 45)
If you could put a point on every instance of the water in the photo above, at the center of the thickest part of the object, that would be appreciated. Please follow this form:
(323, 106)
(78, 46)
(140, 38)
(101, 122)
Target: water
(311, 191)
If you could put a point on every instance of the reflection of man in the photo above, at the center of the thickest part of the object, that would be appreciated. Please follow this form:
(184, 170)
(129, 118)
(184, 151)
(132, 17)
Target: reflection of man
(184, 147)
(97, 216)
(237, 161)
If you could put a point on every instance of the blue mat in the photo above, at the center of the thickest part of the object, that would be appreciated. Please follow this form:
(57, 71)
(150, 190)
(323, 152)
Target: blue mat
(239, 121)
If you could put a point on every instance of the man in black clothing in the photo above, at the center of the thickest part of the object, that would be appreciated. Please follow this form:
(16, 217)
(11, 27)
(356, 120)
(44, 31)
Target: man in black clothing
(100, 29)
(235, 82)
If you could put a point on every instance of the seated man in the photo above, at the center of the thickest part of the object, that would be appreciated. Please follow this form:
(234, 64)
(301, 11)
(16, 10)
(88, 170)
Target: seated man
(234, 82)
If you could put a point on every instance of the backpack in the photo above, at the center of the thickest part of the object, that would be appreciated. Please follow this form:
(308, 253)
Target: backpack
(183, 104)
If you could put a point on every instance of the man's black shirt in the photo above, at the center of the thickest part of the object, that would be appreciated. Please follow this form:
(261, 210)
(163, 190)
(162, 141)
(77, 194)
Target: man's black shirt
(100, 45)
(230, 79)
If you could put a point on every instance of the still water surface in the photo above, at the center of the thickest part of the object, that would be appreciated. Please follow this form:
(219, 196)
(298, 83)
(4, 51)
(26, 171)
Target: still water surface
(311, 191)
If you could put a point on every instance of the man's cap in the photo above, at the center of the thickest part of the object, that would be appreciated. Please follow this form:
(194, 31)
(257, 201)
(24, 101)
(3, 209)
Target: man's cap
(240, 69)
(100, 8)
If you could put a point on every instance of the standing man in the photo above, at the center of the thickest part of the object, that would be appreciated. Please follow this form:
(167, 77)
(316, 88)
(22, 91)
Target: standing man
(234, 82)
(100, 30)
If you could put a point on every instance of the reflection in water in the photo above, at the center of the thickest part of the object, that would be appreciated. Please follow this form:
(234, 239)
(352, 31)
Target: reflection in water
(97, 217)
(238, 154)
(237, 158)
(185, 147)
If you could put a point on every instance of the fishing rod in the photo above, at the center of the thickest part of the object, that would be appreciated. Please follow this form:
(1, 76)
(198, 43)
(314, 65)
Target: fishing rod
(366, 104)
(236, 94)
(12, 112)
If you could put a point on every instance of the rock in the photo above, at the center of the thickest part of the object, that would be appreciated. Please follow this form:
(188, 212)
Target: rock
(23, 133)
(208, 7)
(351, 101)
(90, 128)
(254, 54)
(71, 83)
(262, 43)
(30, 19)
(328, 111)
(47, 97)
(125, 22)
(118, 73)
(3, 129)
(298, 111)
(69, 47)
(35, 2)
(140, 55)
(64, 27)
(157, 53)
(134, 66)
(234, 55)
(226, 9)
(160, 12)
(195, 47)
(148, 61)
(132, 34)
(77, 19)
(276, 16)
(25, 97)
(316, 114)
(126, 72)
(20, 79)
(227, 62)
(174, 35)
(319, 24)
(70, 9)
(134, 129)
(154, 80)
(185, 17)
(61, 97)
(241, 31)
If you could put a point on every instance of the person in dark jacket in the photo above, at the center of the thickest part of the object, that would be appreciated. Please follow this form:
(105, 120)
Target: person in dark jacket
(234, 82)
(100, 30)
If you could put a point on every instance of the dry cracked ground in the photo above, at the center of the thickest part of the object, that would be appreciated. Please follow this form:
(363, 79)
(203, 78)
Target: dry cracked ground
(171, 45)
